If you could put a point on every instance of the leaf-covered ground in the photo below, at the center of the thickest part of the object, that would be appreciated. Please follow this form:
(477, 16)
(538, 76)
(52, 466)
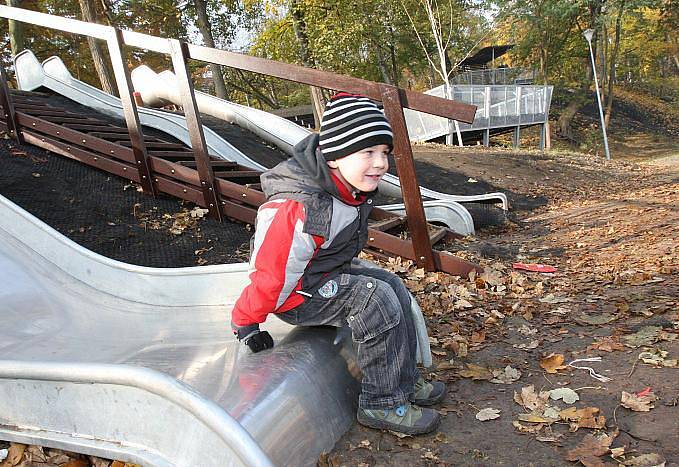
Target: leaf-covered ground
(580, 364)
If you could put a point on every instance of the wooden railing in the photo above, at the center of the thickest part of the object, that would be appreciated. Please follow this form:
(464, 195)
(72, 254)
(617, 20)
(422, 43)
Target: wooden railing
(393, 99)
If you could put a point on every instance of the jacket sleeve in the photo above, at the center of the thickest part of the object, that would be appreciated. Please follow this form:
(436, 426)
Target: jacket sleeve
(280, 255)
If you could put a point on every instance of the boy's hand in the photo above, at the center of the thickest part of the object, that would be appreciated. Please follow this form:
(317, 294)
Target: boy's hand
(251, 336)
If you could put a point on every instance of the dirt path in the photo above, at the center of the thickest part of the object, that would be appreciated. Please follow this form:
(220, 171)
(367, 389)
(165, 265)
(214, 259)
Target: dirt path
(611, 231)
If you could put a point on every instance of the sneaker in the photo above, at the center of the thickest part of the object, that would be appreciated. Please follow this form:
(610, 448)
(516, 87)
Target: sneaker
(427, 393)
(408, 419)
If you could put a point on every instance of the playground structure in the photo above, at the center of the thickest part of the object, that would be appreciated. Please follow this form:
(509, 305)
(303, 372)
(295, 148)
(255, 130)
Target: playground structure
(499, 108)
(115, 360)
(156, 89)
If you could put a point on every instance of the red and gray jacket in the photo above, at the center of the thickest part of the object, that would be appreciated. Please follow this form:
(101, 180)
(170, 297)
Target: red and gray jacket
(307, 233)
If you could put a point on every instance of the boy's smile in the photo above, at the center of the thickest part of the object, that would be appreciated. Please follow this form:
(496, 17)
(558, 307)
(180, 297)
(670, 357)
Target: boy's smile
(363, 169)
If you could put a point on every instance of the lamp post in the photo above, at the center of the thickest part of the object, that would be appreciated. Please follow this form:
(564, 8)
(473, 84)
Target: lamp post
(589, 33)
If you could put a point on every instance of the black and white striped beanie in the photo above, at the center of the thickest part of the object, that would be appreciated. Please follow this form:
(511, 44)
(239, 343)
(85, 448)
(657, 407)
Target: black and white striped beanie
(352, 122)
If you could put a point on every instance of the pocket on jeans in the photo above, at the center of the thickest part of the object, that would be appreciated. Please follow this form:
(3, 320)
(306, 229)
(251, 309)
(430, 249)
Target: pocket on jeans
(371, 319)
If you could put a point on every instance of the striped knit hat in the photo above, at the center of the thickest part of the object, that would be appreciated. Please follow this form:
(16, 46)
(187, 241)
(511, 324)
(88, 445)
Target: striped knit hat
(352, 122)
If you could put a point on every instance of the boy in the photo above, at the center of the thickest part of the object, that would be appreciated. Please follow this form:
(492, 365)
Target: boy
(307, 237)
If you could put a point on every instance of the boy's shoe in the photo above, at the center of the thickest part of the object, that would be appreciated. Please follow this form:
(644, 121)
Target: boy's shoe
(408, 419)
(427, 393)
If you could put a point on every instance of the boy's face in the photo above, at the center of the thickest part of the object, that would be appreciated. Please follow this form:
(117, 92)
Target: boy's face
(362, 170)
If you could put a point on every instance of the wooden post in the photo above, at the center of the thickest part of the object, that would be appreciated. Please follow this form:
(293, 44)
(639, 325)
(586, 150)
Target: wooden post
(125, 90)
(403, 153)
(8, 108)
(179, 54)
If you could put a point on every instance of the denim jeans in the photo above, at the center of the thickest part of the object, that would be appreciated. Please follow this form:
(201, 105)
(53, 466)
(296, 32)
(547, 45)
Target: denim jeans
(376, 305)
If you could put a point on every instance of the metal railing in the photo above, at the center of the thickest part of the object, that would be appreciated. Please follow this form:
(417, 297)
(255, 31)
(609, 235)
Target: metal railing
(494, 76)
(497, 107)
(393, 99)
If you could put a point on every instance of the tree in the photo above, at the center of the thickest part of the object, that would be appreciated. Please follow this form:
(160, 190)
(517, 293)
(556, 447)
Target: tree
(100, 59)
(442, 29)
(206, 31)
(17, 36)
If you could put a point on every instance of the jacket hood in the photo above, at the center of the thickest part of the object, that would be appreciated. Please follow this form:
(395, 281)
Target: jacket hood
(305, 172)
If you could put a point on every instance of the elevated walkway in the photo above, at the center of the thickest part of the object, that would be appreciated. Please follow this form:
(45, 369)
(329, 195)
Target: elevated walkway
(499, 109)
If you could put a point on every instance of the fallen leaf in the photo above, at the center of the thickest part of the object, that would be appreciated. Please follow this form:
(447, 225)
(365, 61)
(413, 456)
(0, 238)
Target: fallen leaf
(647, 335)
(566, 394)
(76, 463)
(590, 448)
(488, 414)
(529, 399)
(476, 372)
(551, 298)
(656, 357)
(598, 319)
(572, 414)
(506, 376)
(14, 454)
(646, 460)
(583, 418)
(527, 428)
(638, 403)
(533, 344)
(607, 344)
(552, 363)
(617, 452)
(551, 412)
(533, 418)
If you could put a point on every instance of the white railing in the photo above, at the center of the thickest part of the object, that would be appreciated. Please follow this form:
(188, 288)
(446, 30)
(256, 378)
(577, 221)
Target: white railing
(497, 107)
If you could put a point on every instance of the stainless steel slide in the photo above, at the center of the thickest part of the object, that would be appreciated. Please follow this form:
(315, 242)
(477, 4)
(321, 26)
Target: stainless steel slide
(138, 363)
(158, 89)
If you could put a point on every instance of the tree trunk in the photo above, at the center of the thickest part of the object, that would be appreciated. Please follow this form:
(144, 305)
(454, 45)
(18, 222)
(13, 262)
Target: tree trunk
(17, 38)
(209, 41)
(614, 58)
(382, 65)
(392, 52)
(98, 57)
(299, 27)
(566, 117)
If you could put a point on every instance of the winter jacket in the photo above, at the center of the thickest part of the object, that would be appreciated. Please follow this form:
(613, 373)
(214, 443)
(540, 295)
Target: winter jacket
(306, 233)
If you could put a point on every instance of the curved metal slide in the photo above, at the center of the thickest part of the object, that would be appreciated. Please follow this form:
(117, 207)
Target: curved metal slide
(53, 75)
(159, 89)
(136, 363)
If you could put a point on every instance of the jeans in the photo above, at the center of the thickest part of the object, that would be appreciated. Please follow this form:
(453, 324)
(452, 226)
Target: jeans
(376, 305)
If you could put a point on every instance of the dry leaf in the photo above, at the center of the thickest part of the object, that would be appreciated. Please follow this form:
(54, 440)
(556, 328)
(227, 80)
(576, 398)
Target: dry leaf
(646, 460)
(583, 418)
(506, 376)
(476, 372)
(14, 454)
(647, 335)
(527, 428)
(552, 363)
(572, 414)
(533, 418)
(488, 414)
(656, 357)
(530, 399)
(76, 463)
(590, 448)
(638, 403)
(565, 394)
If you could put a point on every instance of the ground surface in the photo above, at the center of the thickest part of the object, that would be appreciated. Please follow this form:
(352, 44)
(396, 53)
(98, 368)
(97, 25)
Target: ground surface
(610, 229)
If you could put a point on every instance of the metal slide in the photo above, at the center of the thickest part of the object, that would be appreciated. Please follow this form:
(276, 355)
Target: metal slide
(158, 89)
(53, 75)
(138, 364)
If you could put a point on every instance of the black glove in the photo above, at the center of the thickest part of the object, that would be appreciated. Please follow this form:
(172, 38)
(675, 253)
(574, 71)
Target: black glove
(251, 336)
